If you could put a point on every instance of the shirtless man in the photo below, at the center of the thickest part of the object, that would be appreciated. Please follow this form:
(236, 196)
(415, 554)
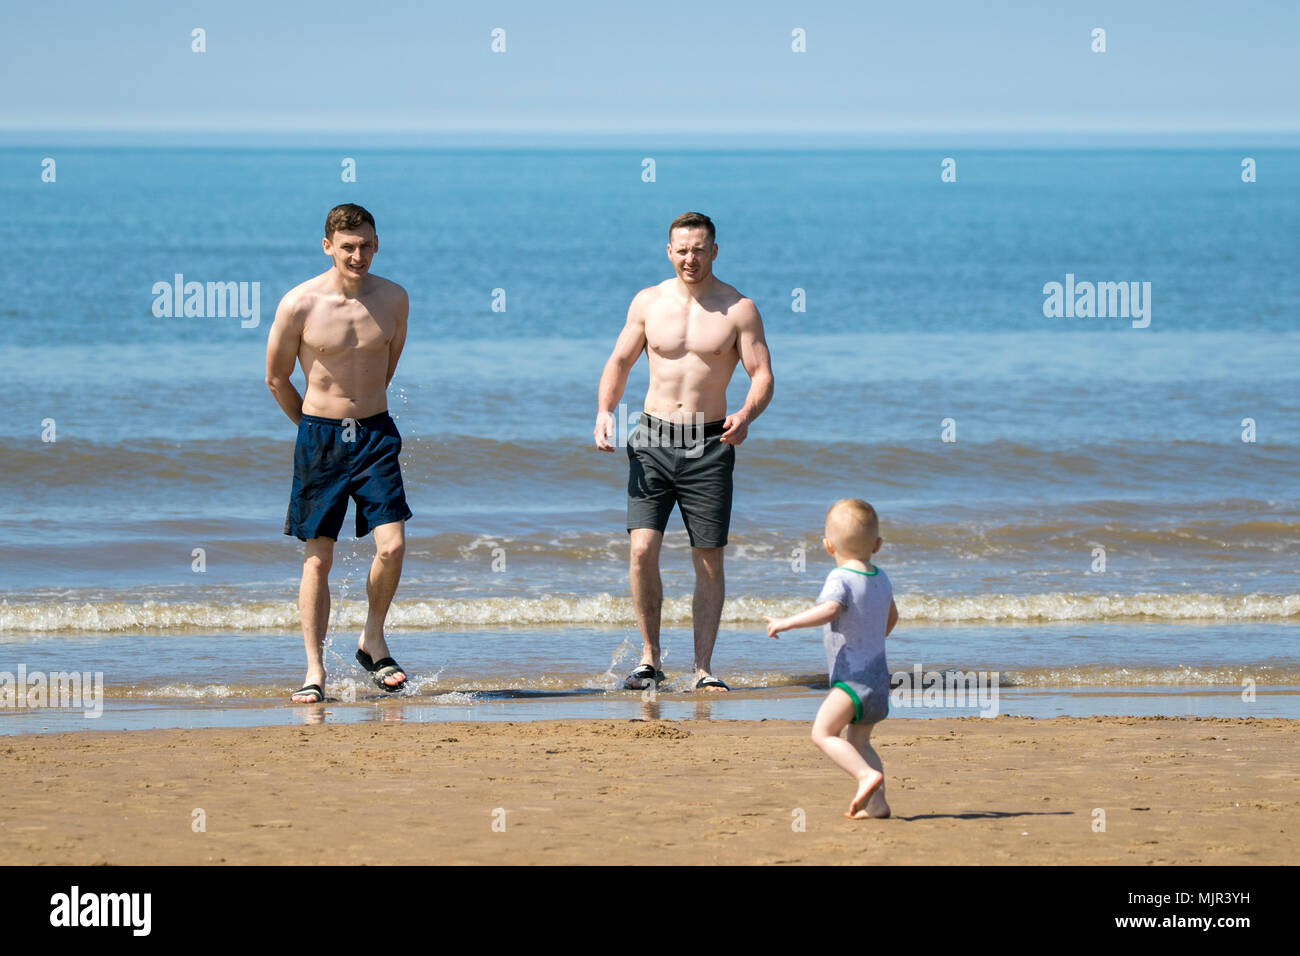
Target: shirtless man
(346, 328)
(694, 328)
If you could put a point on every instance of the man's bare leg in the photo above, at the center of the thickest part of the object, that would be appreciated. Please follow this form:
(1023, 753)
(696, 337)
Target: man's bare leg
(706, 608)
(314, 609)
(381, 585)
(647, 590)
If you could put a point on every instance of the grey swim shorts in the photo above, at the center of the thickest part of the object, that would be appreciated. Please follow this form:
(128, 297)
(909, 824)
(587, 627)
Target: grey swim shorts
(686, 465)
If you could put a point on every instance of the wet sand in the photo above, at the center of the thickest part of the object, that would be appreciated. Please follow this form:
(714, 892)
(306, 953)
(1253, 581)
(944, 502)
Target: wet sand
(963, 791)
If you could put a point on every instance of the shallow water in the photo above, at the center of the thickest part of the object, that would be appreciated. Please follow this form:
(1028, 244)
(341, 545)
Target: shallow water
(1096, 521)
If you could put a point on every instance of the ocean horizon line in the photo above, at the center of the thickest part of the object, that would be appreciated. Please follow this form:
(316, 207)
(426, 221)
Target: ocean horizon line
(757, 140)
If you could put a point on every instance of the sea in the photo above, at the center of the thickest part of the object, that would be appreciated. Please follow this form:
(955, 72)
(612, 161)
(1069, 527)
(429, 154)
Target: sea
(1067, 379)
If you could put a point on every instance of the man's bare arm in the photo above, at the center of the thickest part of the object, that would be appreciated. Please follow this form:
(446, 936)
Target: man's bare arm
(398, 342)
(628, 348)
(282, 345)
(758, 364)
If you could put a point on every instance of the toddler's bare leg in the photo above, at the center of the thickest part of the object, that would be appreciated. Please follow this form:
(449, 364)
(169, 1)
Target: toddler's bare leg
(859, 736)
(835, 713)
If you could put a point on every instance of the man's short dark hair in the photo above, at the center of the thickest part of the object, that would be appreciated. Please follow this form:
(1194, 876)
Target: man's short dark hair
(347, 216)
(692, 220)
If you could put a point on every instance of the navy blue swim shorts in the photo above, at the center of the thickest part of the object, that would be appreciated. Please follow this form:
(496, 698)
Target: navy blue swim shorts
(335, 459)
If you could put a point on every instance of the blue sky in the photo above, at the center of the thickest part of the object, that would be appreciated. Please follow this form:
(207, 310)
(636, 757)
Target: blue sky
(702, 68)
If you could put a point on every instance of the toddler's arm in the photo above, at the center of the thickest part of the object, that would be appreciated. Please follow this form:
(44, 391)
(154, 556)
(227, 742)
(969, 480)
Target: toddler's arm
(893, 617)
(815, 616)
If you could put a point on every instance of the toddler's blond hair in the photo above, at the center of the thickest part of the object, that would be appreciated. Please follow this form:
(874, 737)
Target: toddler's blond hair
(852, 526)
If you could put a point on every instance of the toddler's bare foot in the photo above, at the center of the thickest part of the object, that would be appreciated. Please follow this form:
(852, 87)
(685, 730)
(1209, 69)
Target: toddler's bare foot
(866, 787)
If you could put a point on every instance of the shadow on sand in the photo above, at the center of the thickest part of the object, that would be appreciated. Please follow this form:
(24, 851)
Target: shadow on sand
(985, 815)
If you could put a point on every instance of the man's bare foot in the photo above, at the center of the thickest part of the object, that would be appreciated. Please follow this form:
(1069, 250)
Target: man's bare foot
(710, 683)
(643, 677)
(866, 787)
(377, 651)
(306, 696)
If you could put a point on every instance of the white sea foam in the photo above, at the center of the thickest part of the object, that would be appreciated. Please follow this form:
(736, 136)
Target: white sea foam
(606, 609)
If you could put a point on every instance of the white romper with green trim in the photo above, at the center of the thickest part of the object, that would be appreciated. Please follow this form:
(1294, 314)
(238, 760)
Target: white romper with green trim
(855, 640)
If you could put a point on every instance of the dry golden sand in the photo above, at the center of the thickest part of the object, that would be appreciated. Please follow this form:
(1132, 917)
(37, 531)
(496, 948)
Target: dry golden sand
(1008, 790)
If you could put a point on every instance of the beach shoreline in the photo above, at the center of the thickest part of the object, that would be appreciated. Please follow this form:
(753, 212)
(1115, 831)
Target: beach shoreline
(1094, 790)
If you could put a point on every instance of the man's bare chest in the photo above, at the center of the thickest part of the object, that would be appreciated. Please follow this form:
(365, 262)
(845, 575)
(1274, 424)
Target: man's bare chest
(673, 334)
(341, 330)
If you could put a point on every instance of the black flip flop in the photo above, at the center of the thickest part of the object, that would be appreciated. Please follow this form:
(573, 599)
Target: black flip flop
(643, 673)
(710, 682)
(309, 689)
(380, 669)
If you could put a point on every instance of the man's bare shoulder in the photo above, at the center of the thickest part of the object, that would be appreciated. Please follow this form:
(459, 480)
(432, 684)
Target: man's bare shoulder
(745, 312)
(665, 292)
(738, 307)
(388, 287)
(643, 302)
(732, 295)
(302, 298)
(651, 293)
(390, 296)
(298, 302)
